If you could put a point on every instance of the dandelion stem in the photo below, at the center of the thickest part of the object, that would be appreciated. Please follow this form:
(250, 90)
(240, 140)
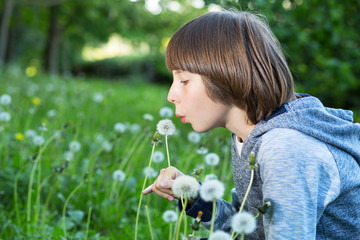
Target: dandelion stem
(180, 218)
(66, 203)
(170, 231)
(88, 223)
(168, 155)
(141, 195)
(16, 195)
(213, 217)
(149, 222)
(248, 190)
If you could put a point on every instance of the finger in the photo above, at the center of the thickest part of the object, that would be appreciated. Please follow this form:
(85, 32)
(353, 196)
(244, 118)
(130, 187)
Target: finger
(162, 194)
(147, 190)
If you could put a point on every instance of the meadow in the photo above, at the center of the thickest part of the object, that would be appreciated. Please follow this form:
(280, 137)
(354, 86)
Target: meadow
(74, 153)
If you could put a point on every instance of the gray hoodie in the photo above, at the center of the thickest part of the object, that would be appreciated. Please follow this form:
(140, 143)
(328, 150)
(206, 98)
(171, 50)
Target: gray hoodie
(308, 160)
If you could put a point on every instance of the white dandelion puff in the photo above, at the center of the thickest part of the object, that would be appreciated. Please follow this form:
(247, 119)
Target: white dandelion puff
(5, 99)
(107, 146)
(38, 140)
(98, 97)
(118, 175)
(212, 159)
(211, 190)
(43, 128)
(51, 113)
(30, 133)
(194, 137)
(170, 216)
(186, 187)
(166, 127)
(68, 155)
(120, 127)
(202, 150)
(220, 235)
(158, 157)
(148, 117)
(135, 128)
(152, 173)
(166, 112)
(243, 222)
(5, 117)
(210, 176)
(74, 146)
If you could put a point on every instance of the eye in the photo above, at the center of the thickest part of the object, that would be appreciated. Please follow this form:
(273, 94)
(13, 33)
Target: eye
(184, 82)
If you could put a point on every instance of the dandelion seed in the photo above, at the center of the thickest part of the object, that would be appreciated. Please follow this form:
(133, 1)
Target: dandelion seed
(120, 127)
(98, 97)
(166, 112)
(38, 140)
(194, 137)
(5, 99)
(36, 101)
(165, 127)
(212, 190)
(212, 159)
(186, 187)
(118, 175)
(5, 117)
(30, 133)
(158, 157)
(152, 173)
(19, 136)
(220, 235)
(243, 222)
(210, 176)
(51, 113)
(148, 117)
(170, 216)
(202, 151)
(74, 146)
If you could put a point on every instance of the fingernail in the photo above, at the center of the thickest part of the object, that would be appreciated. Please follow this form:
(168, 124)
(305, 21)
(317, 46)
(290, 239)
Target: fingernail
(163, 184)
(170, 199)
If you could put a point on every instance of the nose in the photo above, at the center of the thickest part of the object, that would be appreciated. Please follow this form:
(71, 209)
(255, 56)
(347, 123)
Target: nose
(173, 96)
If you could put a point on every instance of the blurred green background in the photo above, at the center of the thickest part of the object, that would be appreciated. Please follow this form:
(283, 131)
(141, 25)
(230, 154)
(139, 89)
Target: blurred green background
(114, 39)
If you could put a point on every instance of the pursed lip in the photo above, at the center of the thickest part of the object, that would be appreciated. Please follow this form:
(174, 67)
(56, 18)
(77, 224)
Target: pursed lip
(183, 119)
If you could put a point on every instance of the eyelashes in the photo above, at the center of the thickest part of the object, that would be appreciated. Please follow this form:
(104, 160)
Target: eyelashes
(184, 82)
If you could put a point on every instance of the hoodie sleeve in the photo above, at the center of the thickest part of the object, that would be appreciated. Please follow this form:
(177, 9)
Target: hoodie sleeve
(300, 178)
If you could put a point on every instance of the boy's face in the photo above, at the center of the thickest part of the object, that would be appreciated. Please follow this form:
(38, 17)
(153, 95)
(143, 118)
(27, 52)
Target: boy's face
(192, 103)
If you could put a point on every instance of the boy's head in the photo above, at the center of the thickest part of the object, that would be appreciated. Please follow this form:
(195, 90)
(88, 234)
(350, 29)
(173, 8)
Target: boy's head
(239, 59)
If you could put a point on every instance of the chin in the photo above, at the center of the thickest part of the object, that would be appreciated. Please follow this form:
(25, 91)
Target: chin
(200, 129)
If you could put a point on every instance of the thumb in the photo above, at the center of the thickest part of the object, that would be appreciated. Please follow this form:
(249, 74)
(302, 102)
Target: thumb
(147, 190)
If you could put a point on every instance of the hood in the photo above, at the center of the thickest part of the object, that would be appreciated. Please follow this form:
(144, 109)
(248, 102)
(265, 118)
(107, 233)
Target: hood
(308, 115)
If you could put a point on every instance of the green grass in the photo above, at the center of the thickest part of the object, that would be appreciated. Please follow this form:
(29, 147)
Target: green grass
(38, 185)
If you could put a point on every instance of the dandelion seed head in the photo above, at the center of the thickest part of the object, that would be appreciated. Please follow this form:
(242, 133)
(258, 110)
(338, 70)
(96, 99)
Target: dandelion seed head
(120, 127)
(212, 159)
(152, 173)
(68, 155)
(135, 128)
(98, 97)
(212, 190)
(43, 128)
(243, 222)
(210, 176)
(158, 157)
(5, 117)
(5, 99)
(166, 112)
(194, 137)
(38, 140)
(186, 187)
(166, 127)
(202, 151)
(30, 133)
(148, 117)
(74, 146)
(220, 235)
(51, 113)
(118, 175)
(170, 216)
(107, 146)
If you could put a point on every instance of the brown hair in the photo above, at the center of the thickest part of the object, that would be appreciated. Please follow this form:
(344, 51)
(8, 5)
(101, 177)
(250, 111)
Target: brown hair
(239, 58)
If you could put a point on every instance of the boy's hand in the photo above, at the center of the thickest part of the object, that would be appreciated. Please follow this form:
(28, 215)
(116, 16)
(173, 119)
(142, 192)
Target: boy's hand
(162, 185)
